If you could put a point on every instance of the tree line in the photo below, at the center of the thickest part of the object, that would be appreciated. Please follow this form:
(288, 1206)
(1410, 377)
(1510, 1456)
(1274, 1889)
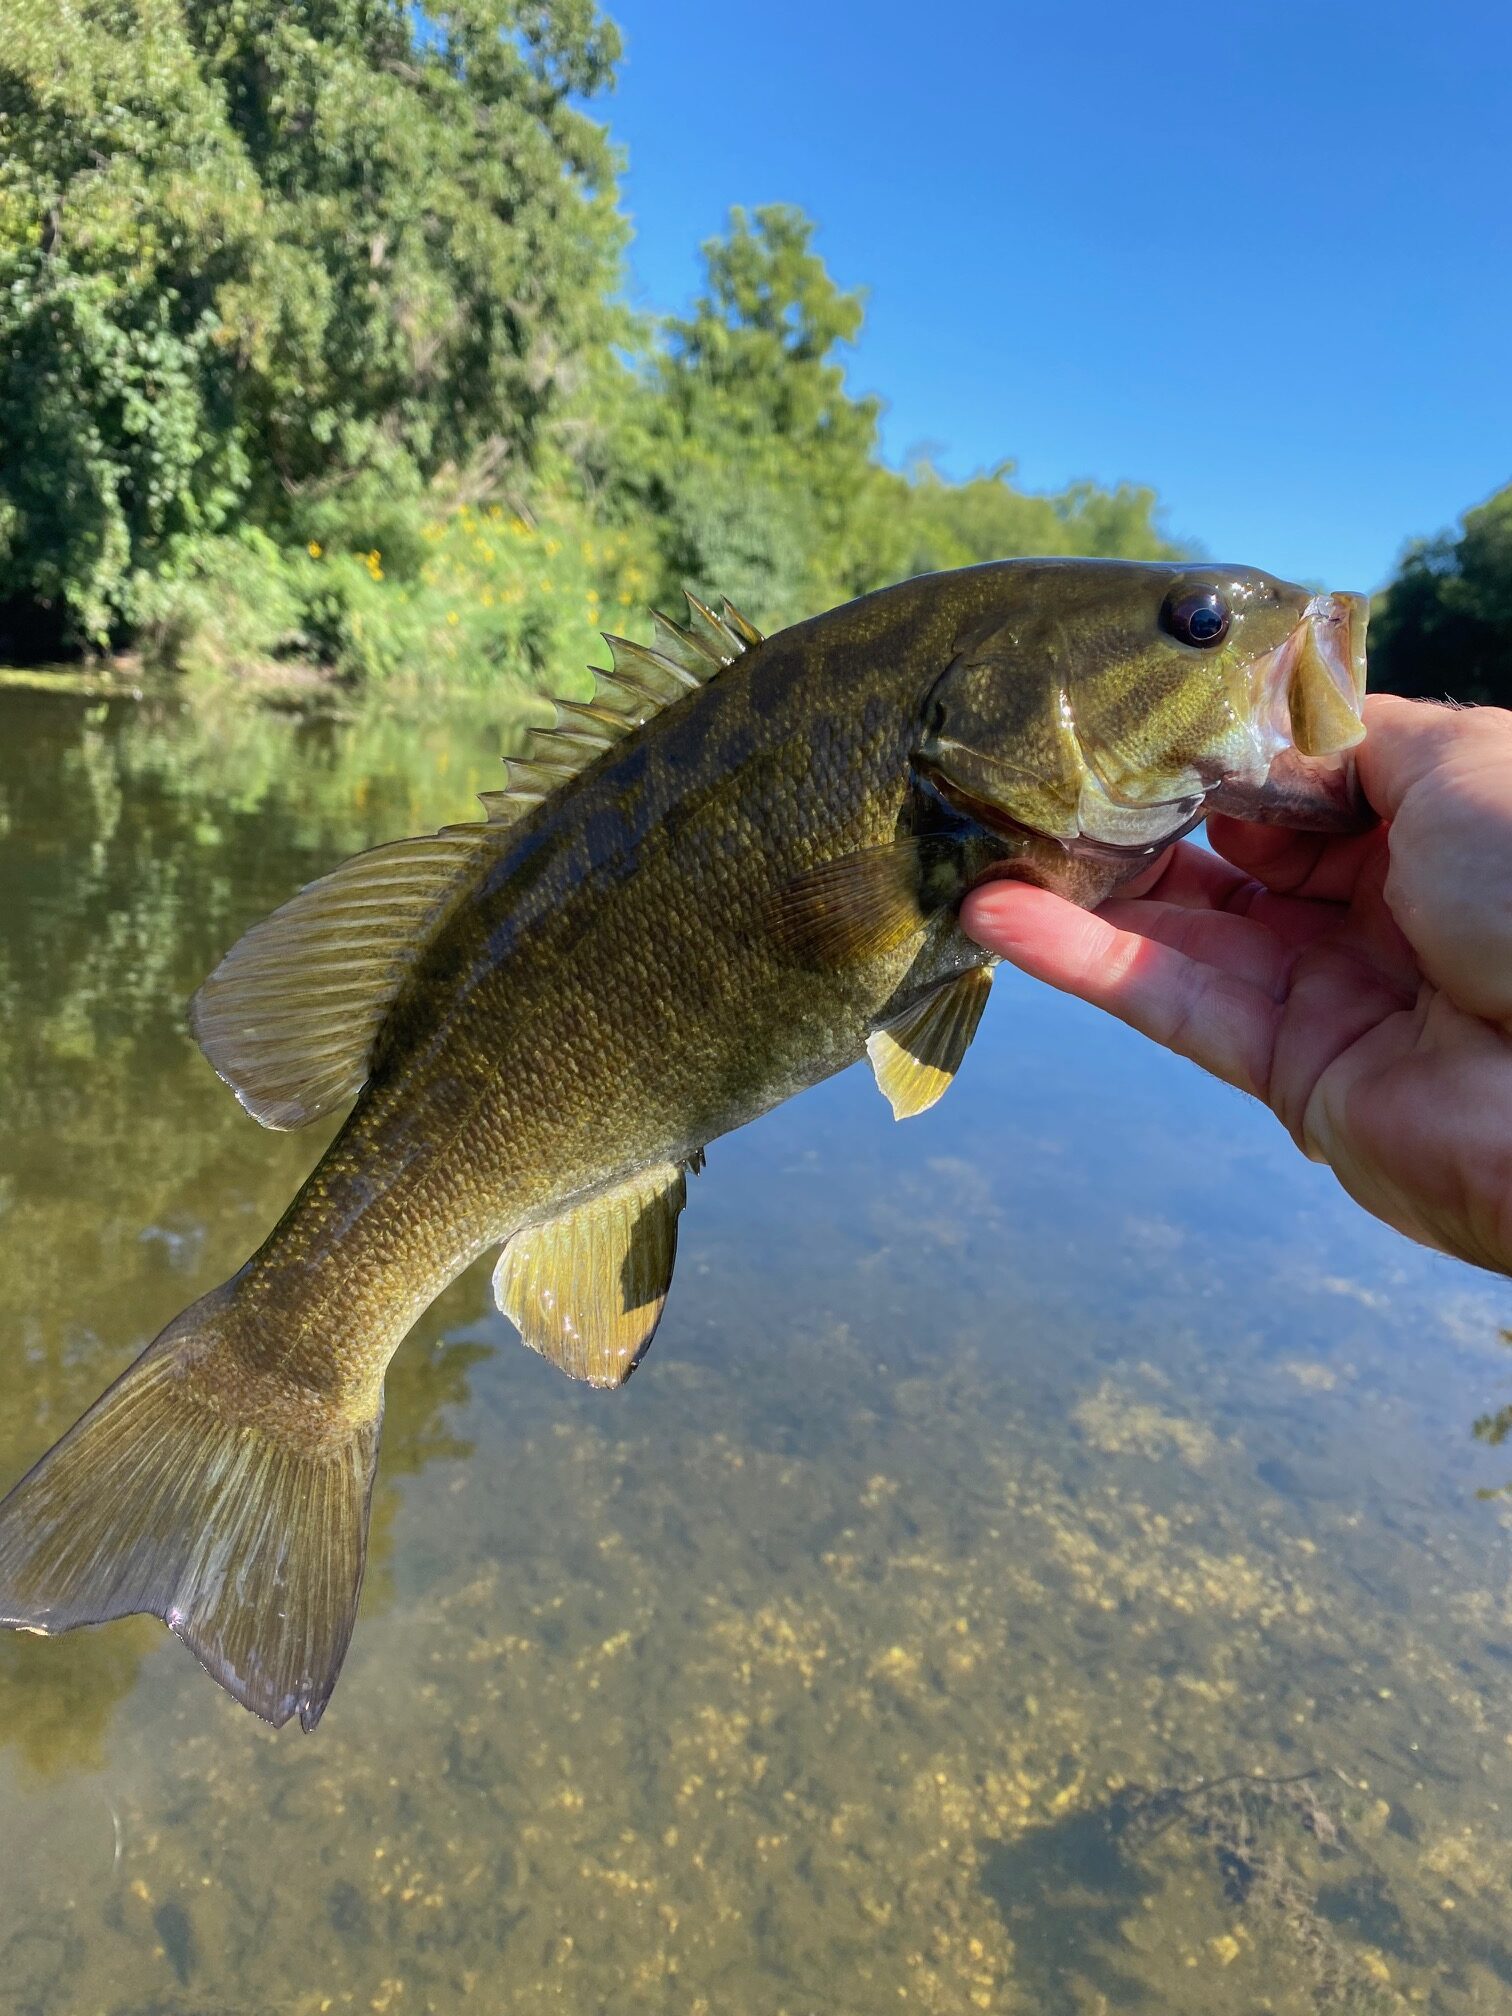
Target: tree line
(313, 345)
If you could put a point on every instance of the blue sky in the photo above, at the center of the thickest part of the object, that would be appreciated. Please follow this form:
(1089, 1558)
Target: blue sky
(1257, 256)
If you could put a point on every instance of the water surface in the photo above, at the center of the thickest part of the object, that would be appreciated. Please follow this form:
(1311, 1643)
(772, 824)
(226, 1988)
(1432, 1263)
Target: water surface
(1046, 1564)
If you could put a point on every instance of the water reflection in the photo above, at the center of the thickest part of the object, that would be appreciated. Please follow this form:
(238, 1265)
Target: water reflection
(56, 1699)
(1039, 1566)
(57, 1714)
(1493, 1430)
(119, 822)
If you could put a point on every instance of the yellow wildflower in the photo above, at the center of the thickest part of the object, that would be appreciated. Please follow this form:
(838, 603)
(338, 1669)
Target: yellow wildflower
(314, 549)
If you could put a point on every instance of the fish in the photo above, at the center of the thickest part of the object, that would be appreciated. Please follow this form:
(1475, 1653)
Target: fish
(732, 871)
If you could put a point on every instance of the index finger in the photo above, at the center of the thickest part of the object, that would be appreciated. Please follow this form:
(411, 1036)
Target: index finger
(1222, 1020)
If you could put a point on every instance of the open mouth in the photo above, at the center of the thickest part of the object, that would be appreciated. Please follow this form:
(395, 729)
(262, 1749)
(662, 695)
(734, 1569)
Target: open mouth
(1309, 690)
(1308, 696)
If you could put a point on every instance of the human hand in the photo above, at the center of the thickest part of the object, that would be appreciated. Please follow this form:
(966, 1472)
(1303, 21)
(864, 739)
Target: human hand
(1360, 986)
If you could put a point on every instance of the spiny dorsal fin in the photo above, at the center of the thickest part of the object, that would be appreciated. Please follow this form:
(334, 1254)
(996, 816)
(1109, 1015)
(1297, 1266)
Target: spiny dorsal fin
(915, 1055)
(641, 681)
(290, 1015)
(586, 1289)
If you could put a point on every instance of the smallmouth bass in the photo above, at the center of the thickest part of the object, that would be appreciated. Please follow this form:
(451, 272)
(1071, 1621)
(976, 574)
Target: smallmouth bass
(732, 872)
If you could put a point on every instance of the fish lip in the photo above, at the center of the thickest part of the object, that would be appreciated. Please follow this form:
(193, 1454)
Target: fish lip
(1309, 794)
(1308, 692)
(1307, 697)
(1339, 622)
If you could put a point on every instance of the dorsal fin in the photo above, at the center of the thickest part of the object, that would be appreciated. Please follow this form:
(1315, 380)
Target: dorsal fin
(641, 681)
(290, 1015)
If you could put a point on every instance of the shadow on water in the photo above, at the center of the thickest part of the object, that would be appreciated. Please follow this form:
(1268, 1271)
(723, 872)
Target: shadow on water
(1287, 1862)
(1493, 1429)
(1063, 1893)
(56, 1700)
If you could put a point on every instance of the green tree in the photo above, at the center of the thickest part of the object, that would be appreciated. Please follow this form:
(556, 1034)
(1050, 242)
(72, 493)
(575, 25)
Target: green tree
(758, 460)
(761, 466)
(286, 261)
(310, 345)
(945, 524)
(1444, 625)
(124, 205)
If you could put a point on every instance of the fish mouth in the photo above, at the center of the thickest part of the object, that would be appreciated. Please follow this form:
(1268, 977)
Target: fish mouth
(1307, 697)
(1311, 688)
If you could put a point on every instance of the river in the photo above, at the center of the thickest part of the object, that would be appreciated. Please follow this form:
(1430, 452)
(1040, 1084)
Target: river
(1055, 1557)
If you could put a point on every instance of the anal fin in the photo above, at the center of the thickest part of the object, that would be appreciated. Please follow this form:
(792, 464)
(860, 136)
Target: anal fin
(586, 1289)
(915, 1055)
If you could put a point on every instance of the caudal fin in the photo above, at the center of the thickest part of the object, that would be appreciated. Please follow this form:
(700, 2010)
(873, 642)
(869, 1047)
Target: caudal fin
(247, 1539)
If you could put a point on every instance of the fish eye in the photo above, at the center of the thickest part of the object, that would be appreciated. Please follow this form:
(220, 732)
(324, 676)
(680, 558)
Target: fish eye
(1197, 616)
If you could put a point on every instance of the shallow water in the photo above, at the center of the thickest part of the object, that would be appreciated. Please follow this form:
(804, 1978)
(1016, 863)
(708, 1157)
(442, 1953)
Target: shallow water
(1046, 1564)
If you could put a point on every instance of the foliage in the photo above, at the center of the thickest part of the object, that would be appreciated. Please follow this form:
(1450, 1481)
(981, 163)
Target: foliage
(123, 201)
(760, 461)
(227, 602)
(283, 263)
(943, 524)
(309, 348)
(472, 597)
(761, 470)
(1444, 625)
(497, 597)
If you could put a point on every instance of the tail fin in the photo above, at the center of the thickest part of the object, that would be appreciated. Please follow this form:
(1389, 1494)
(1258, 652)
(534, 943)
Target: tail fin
(247, 1539)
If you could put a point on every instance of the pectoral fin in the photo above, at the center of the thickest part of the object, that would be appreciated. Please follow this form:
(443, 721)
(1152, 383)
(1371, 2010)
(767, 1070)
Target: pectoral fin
(586, 1289)
(917, 1054)
(864, 905)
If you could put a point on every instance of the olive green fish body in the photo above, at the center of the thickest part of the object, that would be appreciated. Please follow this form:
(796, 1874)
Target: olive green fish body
(733, 872)
(613, 990)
